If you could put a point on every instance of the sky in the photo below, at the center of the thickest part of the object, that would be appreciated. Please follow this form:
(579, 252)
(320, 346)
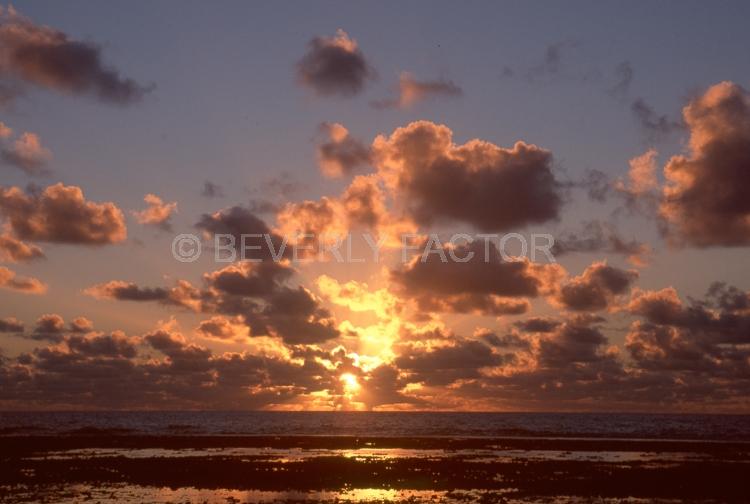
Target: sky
(621, 131)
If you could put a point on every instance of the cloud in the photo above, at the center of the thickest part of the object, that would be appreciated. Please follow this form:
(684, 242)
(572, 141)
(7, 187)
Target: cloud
(624, 77)
(258, 294)
(342, 153)
(27, 285)
(126, 291)
(357, 296)
(477, 183)
(706, 200)
(81, 325)
(157, 214)
(249, 279)
(11, 324)
(15, 250)
(488, 287)
(48, 58)
(361, 207)
(461, 360)
(334, 66)
(596, 288)
(597, 185)
(211, 190)
(551, 66)
(61, 214)
(26, 153)
(706, 339)
(182, 295)
(655, 126)
(599, 237)
(50, 326)
(120, 372)
(113, 345)
(237, 221)
(412, 91)
(642, 174)
(221, 328)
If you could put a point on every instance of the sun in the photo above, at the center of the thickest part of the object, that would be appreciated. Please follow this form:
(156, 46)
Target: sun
(351, 385)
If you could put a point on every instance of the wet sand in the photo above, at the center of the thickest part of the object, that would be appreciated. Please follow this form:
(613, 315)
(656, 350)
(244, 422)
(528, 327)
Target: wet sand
(108, 467)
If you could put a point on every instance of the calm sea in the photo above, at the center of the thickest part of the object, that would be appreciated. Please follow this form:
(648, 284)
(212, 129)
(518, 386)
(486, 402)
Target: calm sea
(383, 424)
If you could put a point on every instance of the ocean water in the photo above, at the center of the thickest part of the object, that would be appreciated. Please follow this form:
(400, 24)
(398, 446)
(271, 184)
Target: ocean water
(383, 424)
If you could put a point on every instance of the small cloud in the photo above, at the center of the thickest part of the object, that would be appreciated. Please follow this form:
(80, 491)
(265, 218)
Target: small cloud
(624, 76)
(412, 91)
(10, 325)
(211, 190)
(334, 66)
(654, 125)
(25, 153)
(27, 285)
(342, 153)
(14, 250)
(157, 214)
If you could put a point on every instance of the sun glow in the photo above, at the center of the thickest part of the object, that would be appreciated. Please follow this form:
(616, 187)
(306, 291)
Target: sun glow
(351, 385)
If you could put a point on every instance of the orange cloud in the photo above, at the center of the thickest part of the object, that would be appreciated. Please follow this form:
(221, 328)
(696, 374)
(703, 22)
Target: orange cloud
(61, 214)
(157, 214)
(27, 285)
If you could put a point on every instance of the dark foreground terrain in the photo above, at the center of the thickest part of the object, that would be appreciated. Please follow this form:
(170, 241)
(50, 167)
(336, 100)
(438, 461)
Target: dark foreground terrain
(106, 467)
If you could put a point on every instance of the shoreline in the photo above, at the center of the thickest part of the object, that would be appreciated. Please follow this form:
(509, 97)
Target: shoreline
(508, 467)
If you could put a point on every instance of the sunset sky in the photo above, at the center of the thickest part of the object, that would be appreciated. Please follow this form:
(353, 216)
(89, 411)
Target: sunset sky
(622, 133)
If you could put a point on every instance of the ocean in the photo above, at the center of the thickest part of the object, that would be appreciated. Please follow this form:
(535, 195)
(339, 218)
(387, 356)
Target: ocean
(383, 424)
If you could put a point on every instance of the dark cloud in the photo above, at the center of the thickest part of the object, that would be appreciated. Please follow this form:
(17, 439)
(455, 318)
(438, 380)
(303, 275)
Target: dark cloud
(182, 295)
(491, 287)
(211, 190)
(10, 324)
(597, 288)
(599, 237)
(237, 221)
(341, 154)
(706, 200)
(442, 366)
(257, 294)
(48, 58)
(552, 63)
(624, 76)
(384, 385)
(95, 345)
(251, 280)
(705, 340)
(109, 371)
(128, 291)
(478, 183)
(597, 185)
(334, 66)
(50, 327)
(537, 325)
(61, 214)
(655, 126)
